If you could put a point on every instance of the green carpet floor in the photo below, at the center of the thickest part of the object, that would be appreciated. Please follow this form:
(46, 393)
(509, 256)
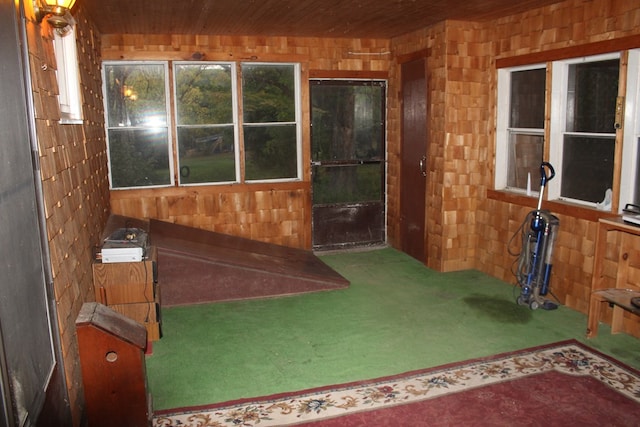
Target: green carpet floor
(395, 317)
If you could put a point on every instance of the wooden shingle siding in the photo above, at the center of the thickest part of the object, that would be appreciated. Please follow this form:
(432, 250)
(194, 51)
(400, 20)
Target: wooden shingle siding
(73, 170)
(572, 27)
(469, 224)
(277, 213)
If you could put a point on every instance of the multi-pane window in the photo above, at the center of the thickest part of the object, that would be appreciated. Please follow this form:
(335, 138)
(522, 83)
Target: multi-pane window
(137, 124)
(581, 136)
(589, 133)
(526, 127)
(269, 93)
(224, 132)
(206, 131)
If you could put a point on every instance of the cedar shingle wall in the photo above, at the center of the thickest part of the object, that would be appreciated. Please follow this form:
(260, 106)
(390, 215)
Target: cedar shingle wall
(74, 178)
(457, 124)
(466, 228)
(466, 139)
(274, 213)
(567, 24)
(429, 43)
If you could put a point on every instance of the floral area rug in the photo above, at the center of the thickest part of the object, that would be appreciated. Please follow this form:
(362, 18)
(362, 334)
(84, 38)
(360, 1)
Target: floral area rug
(565, 383)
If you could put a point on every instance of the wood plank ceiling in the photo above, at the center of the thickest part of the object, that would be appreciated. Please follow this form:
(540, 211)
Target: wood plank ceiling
(305, 18)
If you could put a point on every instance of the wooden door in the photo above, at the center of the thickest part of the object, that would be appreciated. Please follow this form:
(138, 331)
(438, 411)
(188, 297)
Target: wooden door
(413, 168)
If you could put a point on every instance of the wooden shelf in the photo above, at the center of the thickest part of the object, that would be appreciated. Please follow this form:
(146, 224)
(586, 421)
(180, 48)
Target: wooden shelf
(131, 289)
(619, 298)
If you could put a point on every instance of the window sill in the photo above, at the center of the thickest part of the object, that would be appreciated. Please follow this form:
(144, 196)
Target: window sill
(181, 191)
(555, 206)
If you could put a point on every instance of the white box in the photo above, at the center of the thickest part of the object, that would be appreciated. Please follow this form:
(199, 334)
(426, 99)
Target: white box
(130, 254)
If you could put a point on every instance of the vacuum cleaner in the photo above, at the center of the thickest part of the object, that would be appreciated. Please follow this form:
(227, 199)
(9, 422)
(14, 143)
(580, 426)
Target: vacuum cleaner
(533, 270)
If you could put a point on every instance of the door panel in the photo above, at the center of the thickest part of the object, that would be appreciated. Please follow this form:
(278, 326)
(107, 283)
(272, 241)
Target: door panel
(26, 350)
(347, 155)
(413, 173)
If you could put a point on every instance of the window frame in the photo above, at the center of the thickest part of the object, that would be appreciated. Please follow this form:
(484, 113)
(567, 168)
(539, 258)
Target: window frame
(298, 122)
(555, 121)
(238, 123)
(504, 130)
(68, 75)
(631, 132)
(235, 123)
(169, 126)
(558, 118)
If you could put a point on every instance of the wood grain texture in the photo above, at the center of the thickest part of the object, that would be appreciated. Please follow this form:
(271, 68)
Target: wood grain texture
(111, 349)
(74, 178)
(277, 213)
(330, 18)
(568, 29)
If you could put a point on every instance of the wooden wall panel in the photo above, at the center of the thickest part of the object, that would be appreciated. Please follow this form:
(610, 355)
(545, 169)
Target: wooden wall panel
(429, 43)
(571, 24)
(274, 213)
(74, 177)
(458, 129)
(467, 131)
(319, 53)
(267, 214)
(466, 228)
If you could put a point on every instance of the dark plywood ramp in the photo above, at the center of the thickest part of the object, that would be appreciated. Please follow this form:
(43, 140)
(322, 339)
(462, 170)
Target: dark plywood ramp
(198, 266)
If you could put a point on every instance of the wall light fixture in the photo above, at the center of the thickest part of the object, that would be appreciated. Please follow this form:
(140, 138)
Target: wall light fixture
(56, 11)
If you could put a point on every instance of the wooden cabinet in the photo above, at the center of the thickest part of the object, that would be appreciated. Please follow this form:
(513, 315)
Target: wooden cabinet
(112, 359)
(131, 289)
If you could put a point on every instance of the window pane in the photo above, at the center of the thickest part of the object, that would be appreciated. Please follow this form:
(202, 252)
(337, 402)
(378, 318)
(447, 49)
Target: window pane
(527, 99)
(206, 154)
(525, 157)
(139, 157)
(136, 95)
(347, 184)
(347, 122)
(270, 152)
(587, 167)
(268, 93)
(591, 96)
(203, 94)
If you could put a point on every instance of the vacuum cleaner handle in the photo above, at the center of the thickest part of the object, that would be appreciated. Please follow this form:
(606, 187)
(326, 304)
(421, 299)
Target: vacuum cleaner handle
(543, 182)
(543, 173)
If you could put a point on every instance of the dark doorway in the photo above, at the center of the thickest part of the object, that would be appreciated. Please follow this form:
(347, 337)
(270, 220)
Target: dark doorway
(413, 175)
(347, 163)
